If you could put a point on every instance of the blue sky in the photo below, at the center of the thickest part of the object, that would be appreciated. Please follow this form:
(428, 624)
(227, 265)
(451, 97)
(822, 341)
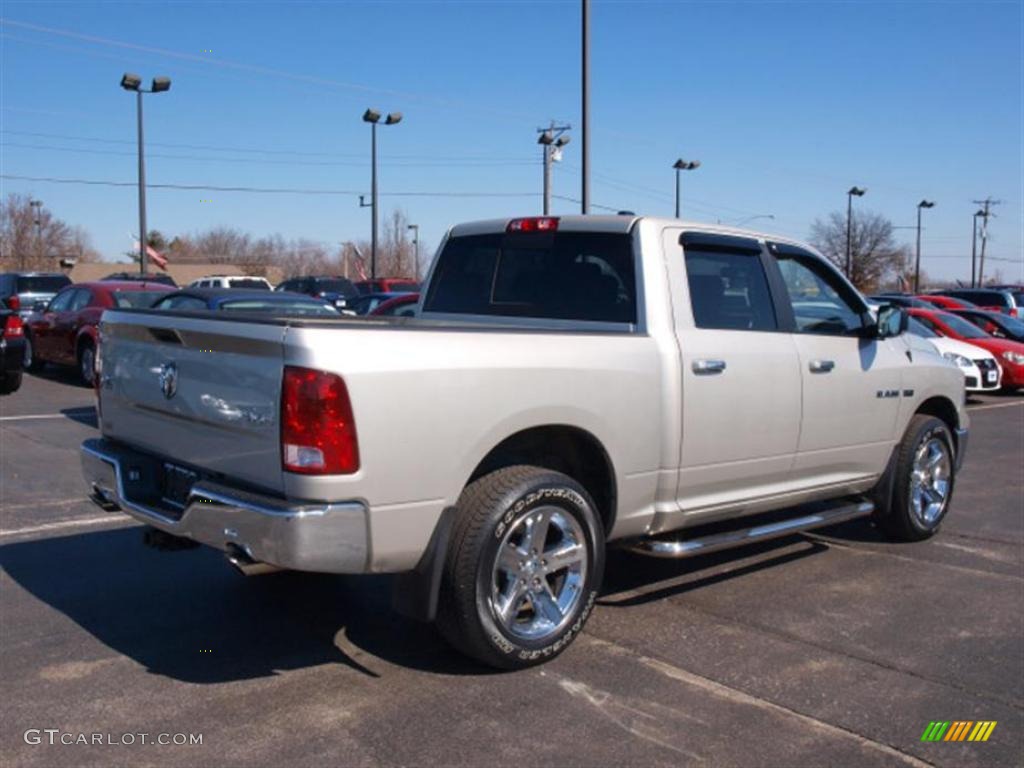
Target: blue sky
(785, 104)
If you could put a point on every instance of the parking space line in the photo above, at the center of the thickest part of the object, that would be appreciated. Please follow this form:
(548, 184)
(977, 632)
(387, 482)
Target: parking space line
(993, 405)
(738, 696)
(84, 522)
(34, 417)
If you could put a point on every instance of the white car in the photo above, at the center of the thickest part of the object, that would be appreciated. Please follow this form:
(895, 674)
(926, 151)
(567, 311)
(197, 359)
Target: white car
(249, 282)
(981, 369)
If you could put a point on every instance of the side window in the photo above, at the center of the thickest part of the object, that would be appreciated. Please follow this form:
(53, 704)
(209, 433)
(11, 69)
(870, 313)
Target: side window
(728, 287)
(80, 300)
(821, 302)
(61, 301)
(187, 303)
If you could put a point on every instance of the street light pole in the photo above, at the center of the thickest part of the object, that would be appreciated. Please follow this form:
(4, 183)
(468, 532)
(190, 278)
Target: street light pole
(858, 192)
(917, 259)
(372, 117)
(682, 165)
(416, 249)
(37, 219)
(131, 82)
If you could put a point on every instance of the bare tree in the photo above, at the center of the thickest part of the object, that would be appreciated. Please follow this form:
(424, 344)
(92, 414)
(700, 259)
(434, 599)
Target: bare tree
(876, 257)
(24, 244)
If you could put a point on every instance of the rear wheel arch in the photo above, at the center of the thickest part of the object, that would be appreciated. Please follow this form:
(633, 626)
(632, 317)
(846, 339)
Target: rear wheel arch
(563, 448)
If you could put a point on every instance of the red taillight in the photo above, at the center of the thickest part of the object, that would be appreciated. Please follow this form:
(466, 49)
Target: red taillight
(13, 303)
(535, 224)
(318, 431)
(14, 328)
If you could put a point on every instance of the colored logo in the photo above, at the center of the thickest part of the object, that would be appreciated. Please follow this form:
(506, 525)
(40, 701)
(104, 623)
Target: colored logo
(958, 730)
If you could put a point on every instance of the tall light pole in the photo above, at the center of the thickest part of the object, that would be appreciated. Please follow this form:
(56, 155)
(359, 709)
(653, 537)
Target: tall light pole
(917, 259)
(37, 219)
(416, 248)
(853, 192)
(682, 165)
(131, 82)
(372, 117)
(551, 139)
(585, 192)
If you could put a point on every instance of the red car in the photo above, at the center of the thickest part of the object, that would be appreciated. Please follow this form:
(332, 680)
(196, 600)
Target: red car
(399, 306)
(388, 285)
(1010, 354)
(946, 302)
(64, 331)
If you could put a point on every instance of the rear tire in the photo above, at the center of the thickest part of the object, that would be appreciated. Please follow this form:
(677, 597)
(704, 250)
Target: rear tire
(922, 478)
(29, 359)
(10, 382)
(523, 567)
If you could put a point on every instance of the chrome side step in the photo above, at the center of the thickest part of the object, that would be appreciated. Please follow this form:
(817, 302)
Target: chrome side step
(677, 548)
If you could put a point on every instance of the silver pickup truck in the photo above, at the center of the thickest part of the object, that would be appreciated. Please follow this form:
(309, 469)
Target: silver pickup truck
(568, 382)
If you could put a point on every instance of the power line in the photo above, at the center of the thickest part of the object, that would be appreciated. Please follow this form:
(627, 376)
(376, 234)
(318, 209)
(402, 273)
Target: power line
(263, 151)
(255, 161)
(261, 190)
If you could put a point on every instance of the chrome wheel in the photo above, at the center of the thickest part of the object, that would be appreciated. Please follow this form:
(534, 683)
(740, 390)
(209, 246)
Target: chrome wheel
(88, 364)
(930, 480)
(539, 572)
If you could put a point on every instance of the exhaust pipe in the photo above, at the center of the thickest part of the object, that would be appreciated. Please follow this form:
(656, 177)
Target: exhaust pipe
(245, 565)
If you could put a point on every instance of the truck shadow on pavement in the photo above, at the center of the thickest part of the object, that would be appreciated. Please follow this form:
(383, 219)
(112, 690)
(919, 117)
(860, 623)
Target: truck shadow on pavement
(189, 616)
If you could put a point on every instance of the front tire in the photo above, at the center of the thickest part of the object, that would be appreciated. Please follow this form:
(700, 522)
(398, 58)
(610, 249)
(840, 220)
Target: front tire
(922, 482)
(523, 567)
(87, 363)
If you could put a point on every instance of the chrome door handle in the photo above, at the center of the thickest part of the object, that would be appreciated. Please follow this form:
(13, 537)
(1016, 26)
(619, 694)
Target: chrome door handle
(708, 367)
(821, 366)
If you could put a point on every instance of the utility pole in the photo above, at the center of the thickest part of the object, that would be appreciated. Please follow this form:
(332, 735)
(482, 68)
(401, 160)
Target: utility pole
(585, 192)
(551, 139)
(986, 204)
(974, 248)
(372, 117)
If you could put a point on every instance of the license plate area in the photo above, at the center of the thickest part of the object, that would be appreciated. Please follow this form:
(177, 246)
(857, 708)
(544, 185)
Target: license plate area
(990, 377)
(176, 484)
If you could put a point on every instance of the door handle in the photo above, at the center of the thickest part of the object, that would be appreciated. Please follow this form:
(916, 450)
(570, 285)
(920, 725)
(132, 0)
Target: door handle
(708, 367)
(821, 366)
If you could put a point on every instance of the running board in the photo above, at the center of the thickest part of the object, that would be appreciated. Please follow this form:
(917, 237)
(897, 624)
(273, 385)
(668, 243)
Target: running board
(678, 548)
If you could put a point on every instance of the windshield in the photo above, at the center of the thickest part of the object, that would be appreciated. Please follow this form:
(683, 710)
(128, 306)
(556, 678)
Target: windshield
(282, 307)
(256, 283)
(962, 327)
(42, 283)
(918, 328)
(136, 299)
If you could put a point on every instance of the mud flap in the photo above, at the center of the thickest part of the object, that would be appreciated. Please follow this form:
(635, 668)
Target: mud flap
(415, 593)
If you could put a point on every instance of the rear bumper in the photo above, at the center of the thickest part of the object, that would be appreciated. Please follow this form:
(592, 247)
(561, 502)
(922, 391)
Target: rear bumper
(303, 536)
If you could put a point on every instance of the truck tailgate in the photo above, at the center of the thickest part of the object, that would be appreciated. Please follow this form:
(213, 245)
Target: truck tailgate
(201, 392)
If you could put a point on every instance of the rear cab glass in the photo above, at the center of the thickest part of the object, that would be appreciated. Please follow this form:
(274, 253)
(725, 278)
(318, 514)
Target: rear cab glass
(42, 283)
(562, 275)
(248, 282)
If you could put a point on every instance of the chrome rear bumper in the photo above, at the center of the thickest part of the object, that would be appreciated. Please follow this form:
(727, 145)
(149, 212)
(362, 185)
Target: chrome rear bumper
(303, 536)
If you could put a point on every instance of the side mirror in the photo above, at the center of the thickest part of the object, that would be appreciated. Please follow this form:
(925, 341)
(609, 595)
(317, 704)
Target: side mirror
(892, 321)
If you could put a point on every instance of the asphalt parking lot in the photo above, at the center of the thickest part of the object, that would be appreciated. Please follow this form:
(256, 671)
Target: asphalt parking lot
(834, 649)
